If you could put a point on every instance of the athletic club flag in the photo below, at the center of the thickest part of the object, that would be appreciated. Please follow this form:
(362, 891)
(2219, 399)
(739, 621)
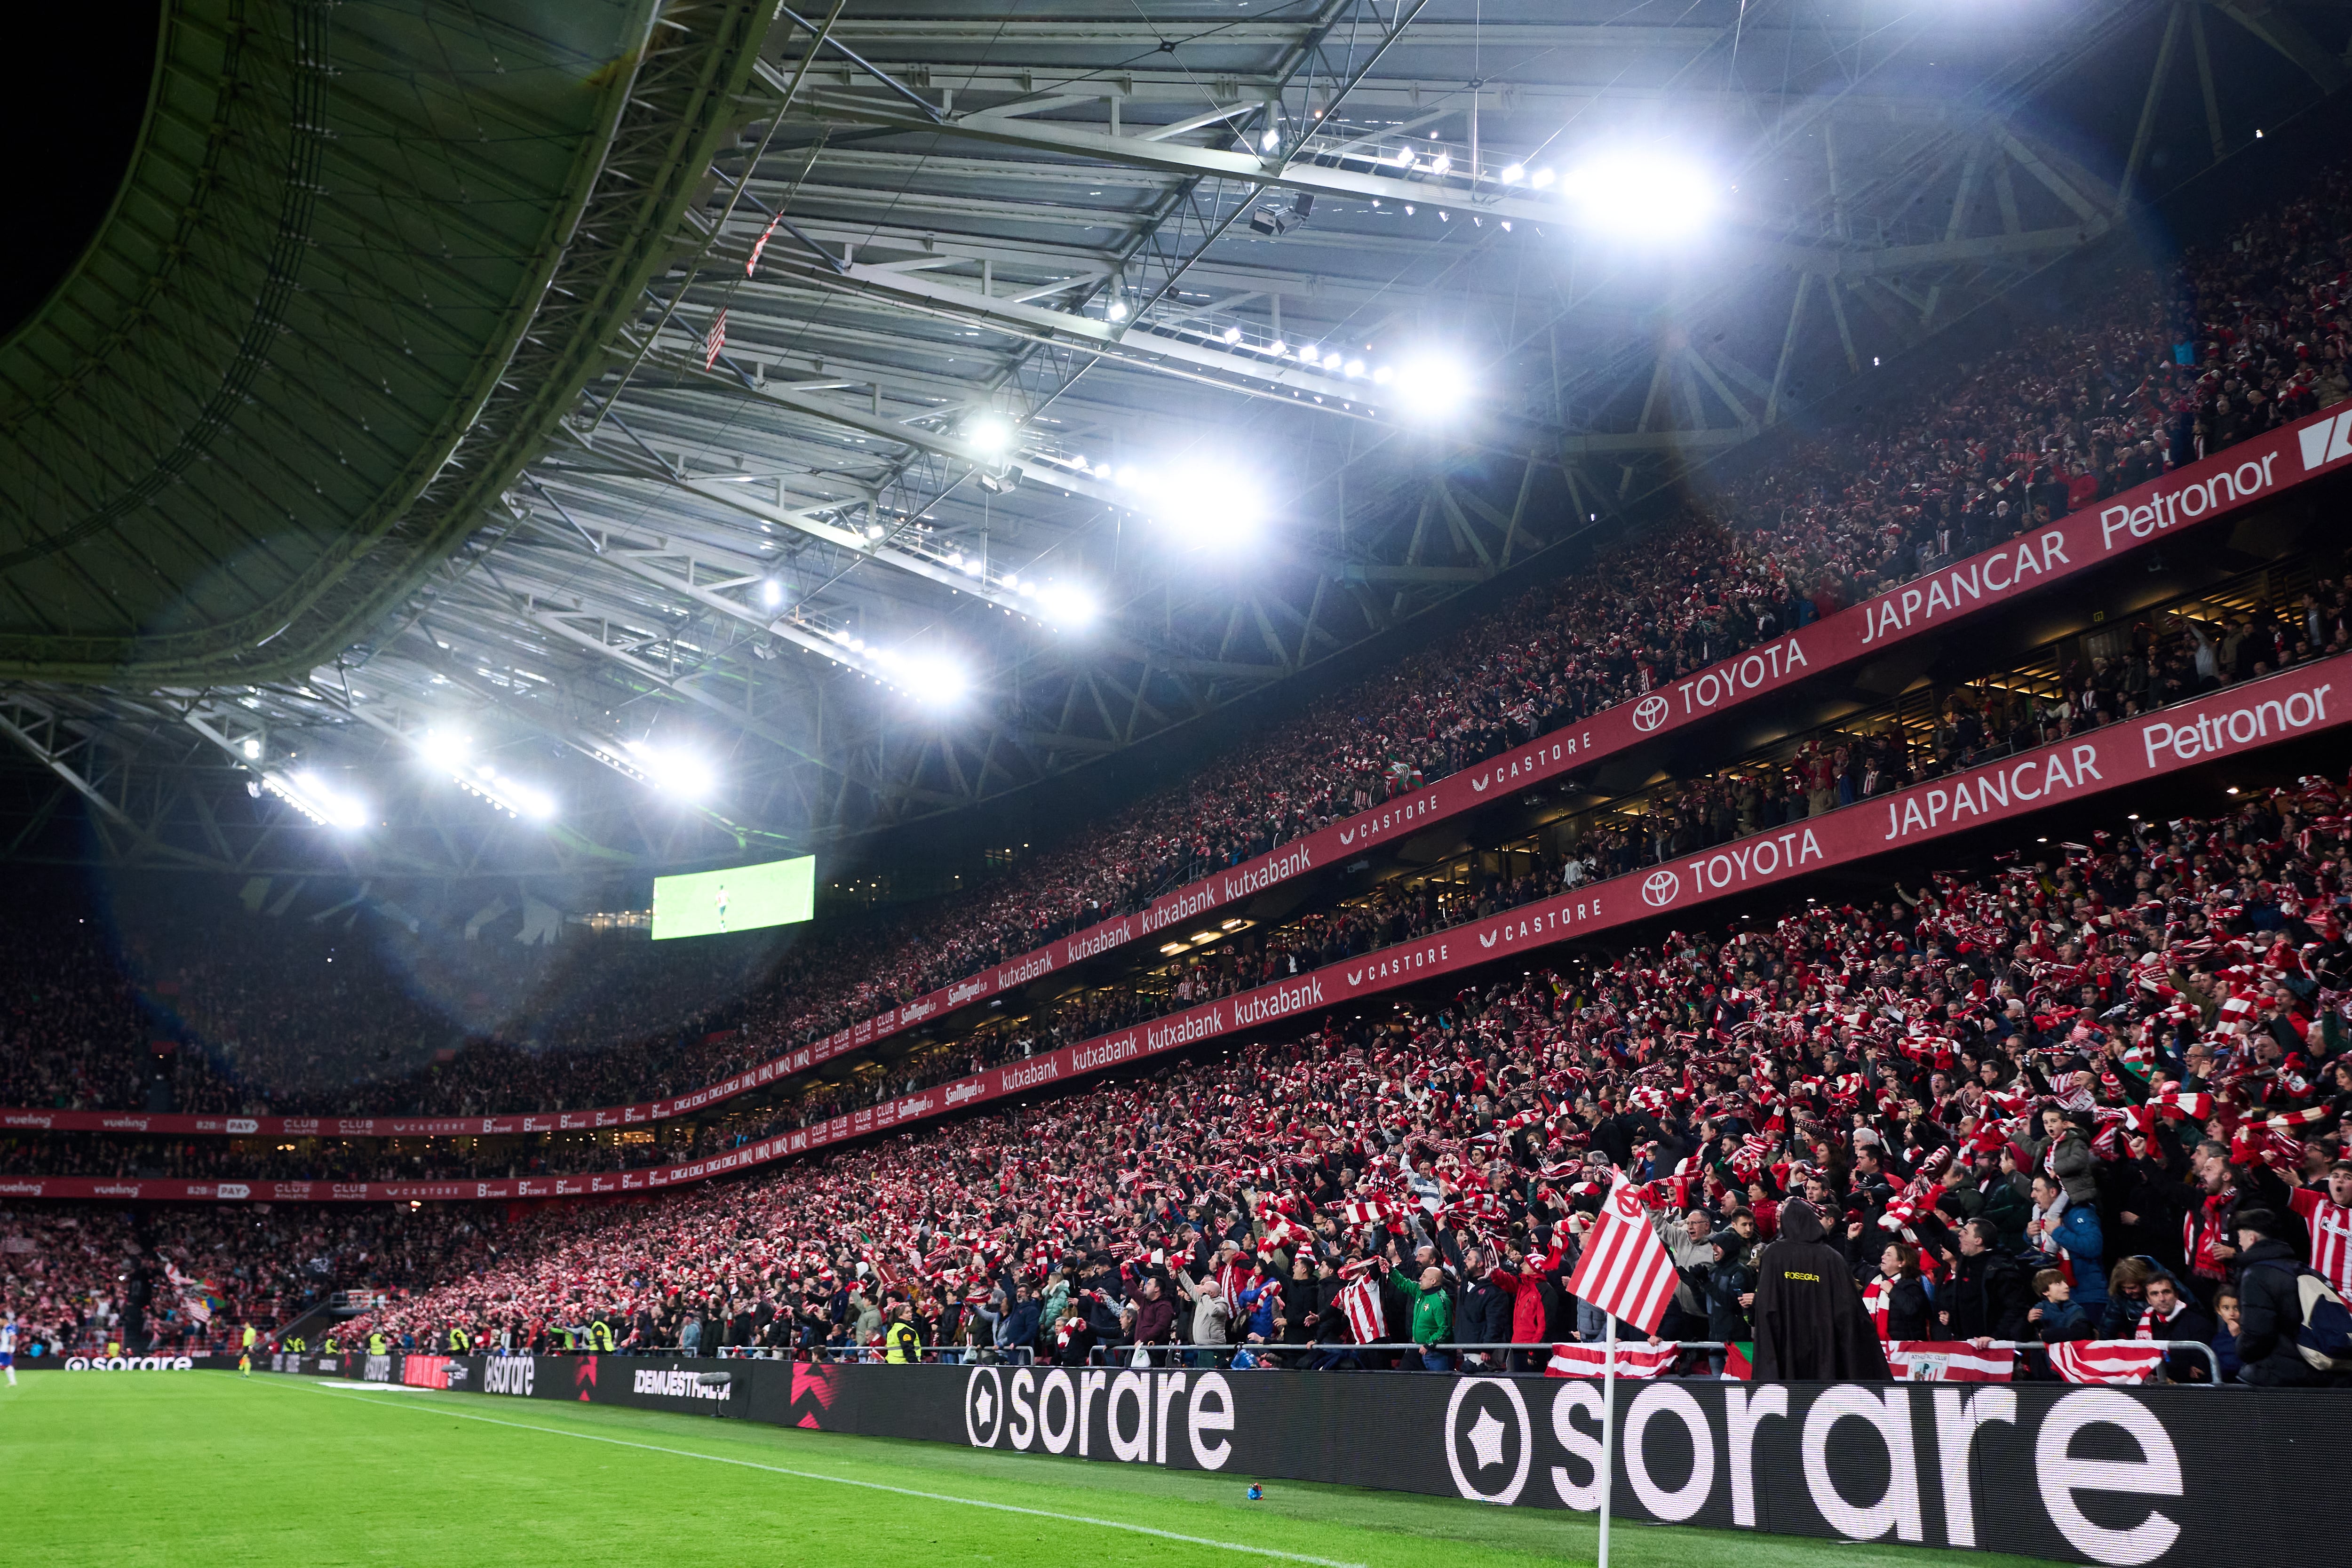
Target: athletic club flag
(1360, 1304)
(1633, 1361)
(1948, 1361)
(1624, 1270)
(2105, 1360)
(714, 341)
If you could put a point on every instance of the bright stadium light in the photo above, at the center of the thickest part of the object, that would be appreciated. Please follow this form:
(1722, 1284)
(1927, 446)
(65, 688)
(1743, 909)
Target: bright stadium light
(771, 592)
(513, 797)
(1639, 194)
(316, 799)
(1205, 501)
(1066, 605)
(1431, 385)
(934, 679)
(989, 435)
(444, 748)
(252, 750)
(672, 770)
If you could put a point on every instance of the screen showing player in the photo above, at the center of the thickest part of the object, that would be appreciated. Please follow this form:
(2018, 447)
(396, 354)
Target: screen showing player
(742, 898)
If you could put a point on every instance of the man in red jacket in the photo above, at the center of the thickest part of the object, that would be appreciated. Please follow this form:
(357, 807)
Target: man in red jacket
(1523, 1279)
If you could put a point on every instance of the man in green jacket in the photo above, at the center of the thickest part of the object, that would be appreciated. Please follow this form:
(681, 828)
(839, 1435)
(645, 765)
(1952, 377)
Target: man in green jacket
(1433, 1317)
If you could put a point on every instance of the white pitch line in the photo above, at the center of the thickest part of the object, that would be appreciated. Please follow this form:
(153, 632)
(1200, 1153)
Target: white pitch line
(439, 1409)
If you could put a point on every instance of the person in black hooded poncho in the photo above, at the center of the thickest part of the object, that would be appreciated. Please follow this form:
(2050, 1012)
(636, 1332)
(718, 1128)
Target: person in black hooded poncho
(1810, 1323)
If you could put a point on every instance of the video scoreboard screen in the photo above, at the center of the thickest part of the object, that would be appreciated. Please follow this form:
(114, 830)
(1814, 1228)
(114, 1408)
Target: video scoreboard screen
(744, 898)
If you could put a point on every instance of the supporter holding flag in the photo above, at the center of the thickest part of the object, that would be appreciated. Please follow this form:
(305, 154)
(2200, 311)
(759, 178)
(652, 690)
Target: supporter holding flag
(1361, 1309)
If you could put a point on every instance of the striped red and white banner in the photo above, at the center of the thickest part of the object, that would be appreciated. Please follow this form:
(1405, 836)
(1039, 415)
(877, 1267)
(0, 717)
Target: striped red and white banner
(1948, 1361)
(1624, 1270)
(1633, 1361)
(2105, 1360)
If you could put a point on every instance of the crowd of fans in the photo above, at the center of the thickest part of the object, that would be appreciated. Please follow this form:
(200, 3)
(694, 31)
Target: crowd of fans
(2153, 373)
(88, 1278)
(1807, 774)
(209, 1158)
(2087, 1097)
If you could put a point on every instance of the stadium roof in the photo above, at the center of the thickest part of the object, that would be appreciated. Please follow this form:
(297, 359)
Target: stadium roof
(714, 435)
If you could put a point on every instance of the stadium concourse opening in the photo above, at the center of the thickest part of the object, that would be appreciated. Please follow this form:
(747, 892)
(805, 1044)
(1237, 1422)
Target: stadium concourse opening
(941, 787)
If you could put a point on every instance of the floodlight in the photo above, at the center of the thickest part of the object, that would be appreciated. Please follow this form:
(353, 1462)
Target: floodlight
(1541, 178)
(933, 679)
(444, 748)
(1117, 310)
(672, 770)
(1436, 382)
(322, 803)
(1233, 334)
(1205, 502)
(512, 795)
(989, 434)
(1641, 194)
(1354, 368)
(252, 750)
(1065, 604)
(1513, 173)
(1444, 161)
(771, 592)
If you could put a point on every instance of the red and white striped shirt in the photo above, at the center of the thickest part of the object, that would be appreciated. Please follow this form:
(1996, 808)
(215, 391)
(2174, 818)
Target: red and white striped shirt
(2331, 1236)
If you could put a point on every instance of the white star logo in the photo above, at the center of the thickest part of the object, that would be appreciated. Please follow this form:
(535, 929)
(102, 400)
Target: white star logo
(1485, 1437)
(982, 1405)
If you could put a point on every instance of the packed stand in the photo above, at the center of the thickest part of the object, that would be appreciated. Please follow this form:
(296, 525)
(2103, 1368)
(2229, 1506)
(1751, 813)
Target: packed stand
(89, 1279)
(2094, 1099)
(2058, 420)
(2179, 656)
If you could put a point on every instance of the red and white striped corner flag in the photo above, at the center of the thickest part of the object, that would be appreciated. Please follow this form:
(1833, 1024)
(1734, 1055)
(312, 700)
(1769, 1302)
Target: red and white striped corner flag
(1624, 1270)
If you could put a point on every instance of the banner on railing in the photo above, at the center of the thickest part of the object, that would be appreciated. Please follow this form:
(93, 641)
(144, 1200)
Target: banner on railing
(1949, 1360)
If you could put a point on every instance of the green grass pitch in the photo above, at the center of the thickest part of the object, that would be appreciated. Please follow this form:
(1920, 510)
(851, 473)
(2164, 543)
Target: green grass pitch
(131, 1470)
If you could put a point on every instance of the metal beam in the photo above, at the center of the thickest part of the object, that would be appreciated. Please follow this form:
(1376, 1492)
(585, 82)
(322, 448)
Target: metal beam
(2145, 133)
(1469, 188)
(2273, 25)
